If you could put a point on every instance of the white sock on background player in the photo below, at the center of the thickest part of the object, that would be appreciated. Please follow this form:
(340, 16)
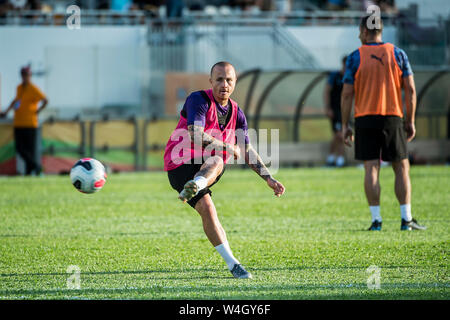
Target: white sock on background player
(331, 158)
(405, 211)
(340, 161)
(225, 251)
(375, 211)
(201, 182)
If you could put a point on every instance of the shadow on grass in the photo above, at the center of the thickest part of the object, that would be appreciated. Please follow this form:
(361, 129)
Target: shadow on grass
(281, 291)
(16, 235)
(217, 270)
(188, 270)
(101, 234)
(124, 272)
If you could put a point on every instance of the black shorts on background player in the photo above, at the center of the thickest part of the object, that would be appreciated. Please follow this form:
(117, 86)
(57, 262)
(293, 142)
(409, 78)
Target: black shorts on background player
(335, 82)
(380, 137)
(179, 176)
(336, 121)
(26, 141)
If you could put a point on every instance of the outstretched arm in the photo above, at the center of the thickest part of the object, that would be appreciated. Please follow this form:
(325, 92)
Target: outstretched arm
(3, 114)
(255, 162)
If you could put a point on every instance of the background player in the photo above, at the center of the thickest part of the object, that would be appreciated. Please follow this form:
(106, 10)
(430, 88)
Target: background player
(210, 120)
(332, 99)
(26, 111)
(375, 75)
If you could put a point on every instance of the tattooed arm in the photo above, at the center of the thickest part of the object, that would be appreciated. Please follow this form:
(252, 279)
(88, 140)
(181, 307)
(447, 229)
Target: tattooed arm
(197, 133)
(255, 162)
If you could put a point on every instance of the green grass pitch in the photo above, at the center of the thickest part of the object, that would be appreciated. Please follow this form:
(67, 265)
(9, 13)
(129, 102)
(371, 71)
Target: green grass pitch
(135, 240)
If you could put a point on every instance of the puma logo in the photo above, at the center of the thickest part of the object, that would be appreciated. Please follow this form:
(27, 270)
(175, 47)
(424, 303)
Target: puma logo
(378, 58)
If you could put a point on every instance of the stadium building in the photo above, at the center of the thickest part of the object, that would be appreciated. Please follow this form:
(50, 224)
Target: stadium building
(116, 73)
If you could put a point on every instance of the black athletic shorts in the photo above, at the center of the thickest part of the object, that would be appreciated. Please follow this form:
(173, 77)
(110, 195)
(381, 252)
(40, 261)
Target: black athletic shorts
(380, 137)
(336, 124)
(336, 120)
(179, 176)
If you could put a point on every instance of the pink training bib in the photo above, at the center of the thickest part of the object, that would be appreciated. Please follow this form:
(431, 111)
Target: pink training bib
(180, 149)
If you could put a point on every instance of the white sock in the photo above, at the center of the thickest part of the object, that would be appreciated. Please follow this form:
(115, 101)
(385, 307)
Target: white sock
(405, 210)
(340, 161)
(331, 158)
(201, 182)
(227, 255)
(375, 211)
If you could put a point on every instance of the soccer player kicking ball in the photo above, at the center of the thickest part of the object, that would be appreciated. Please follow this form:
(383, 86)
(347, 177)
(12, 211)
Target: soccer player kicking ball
(209, 121)
(375, 74)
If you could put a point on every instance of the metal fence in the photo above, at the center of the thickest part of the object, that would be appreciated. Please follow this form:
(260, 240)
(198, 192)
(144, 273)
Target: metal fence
(61, 142)
(143, 17)
(195, 42)
(426, 41)
(174, 41)
(294, 98)
(87, 17)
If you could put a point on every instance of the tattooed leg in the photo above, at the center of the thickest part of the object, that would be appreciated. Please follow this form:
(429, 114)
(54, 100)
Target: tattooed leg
(212, 167)
(203, 178)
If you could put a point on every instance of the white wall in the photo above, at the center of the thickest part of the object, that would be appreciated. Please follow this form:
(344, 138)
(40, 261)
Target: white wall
(82, 68)
(95, 75)
(330, 44)
(97, 66)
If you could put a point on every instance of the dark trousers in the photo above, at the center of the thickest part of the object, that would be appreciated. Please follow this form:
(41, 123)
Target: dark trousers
(26, 140)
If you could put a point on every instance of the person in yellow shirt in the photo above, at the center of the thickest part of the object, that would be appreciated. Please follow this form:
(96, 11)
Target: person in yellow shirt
(26, 111)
